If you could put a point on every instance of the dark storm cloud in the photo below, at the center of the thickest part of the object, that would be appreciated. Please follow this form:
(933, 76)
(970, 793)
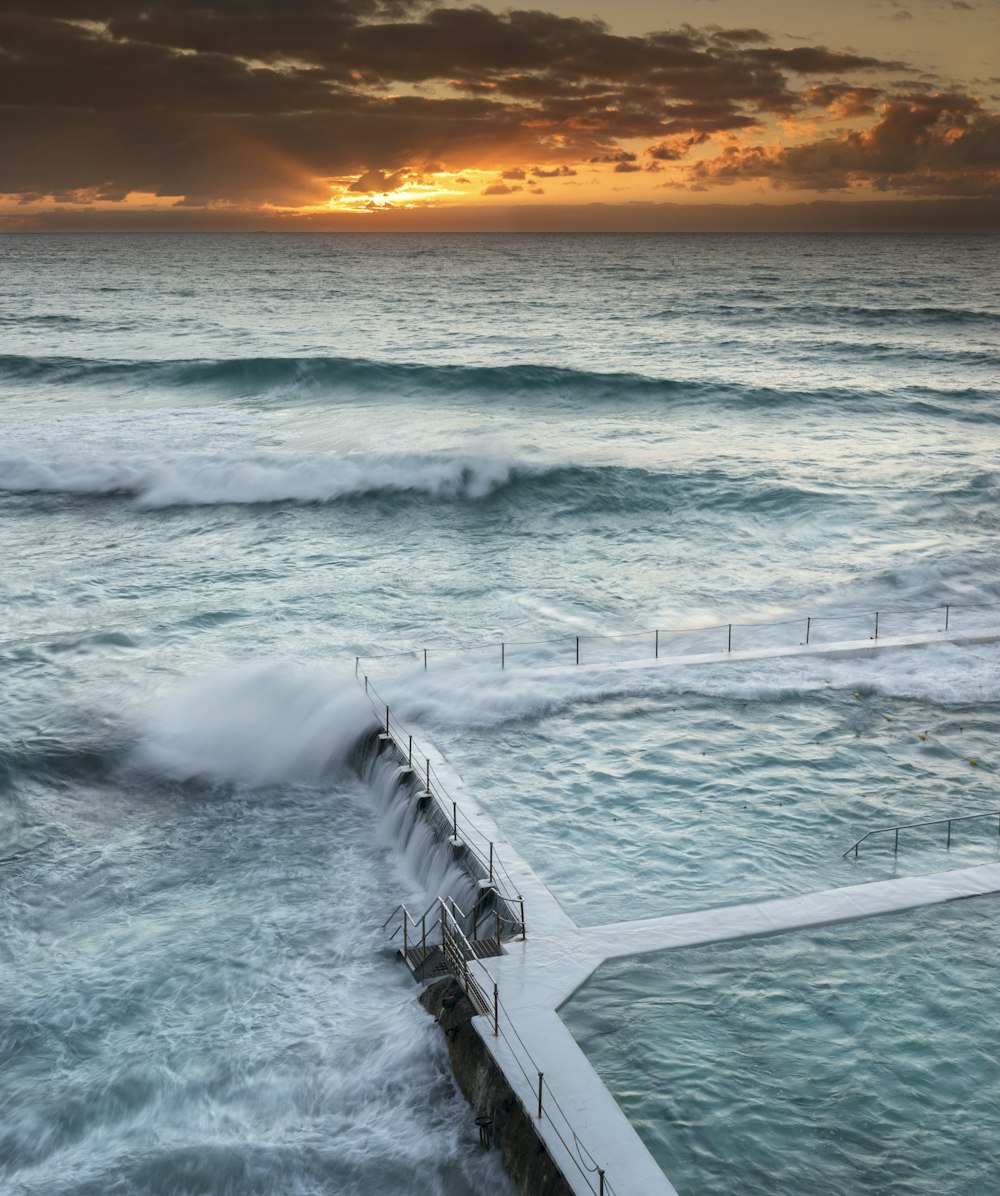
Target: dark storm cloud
(248, 102)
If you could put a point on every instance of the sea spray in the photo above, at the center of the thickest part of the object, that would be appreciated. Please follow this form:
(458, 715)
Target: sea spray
(264, 723)
(201, 998)
(269, 724)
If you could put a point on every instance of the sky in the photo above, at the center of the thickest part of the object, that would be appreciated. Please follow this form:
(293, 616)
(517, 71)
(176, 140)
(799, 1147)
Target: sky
(400, 115)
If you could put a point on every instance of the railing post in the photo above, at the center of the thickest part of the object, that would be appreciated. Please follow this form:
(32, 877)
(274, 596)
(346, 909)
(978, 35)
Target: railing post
(600, 1181)
(524, 931)
(491, 863)
(427, 783)
(503, 656)
(454, 819)
(423, 930)
(577, 649)
(947, 612)
(540, 1075)
(496, 1011)
(729, 646)
(808, 626)
(409, 754)
(357, 664)
(895, 850)
(948, 844)
(406, 948)
(876, 624)
(425, 659)
(496, 915)
(366, 683)
(387, 720)
(656, 653)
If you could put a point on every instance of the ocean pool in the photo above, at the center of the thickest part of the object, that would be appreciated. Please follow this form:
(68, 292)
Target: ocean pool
(638, 805)
(861, 1058)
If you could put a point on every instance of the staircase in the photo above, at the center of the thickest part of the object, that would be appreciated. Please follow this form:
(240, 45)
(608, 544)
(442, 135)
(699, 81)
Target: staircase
(435, 944)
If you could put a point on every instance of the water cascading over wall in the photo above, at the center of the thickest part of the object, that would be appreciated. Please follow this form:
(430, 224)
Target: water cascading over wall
(421, 830)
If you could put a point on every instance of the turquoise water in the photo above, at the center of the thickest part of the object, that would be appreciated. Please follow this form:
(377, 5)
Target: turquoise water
(721, 784)
(863, 1058)
(230, 465)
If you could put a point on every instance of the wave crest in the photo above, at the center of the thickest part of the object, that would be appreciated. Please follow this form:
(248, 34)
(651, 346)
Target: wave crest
(212, 479)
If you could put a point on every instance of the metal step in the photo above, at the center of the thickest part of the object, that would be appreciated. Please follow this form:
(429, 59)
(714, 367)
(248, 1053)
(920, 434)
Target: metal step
(429, 962)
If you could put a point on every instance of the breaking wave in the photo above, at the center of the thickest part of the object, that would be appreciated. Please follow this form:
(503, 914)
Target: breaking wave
(205, 479)
(212, 479)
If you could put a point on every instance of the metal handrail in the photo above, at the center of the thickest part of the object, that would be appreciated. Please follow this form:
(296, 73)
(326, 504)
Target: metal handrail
(905, 826)
(499, 648)
(470, 971)
(458, 951)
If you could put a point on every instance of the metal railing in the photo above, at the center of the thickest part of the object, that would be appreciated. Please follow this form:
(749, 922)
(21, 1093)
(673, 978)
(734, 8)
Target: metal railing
(710, 638)
(480, 986)
(464, 833)
(906, 826)
(415, 929)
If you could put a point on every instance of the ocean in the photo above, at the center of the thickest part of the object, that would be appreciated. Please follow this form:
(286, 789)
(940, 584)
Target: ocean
(231, 467)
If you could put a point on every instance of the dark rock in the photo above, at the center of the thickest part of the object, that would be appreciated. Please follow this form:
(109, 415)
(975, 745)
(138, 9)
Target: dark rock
(485, 1087)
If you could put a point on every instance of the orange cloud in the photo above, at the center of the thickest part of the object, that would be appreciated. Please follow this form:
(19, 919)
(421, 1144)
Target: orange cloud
(939, 144)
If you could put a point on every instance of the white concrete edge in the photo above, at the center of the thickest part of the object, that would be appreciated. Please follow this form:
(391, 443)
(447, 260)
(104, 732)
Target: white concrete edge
(784, 914)
(605, 1136)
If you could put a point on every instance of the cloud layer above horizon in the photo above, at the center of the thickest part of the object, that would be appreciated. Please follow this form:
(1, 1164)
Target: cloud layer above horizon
(251, 104)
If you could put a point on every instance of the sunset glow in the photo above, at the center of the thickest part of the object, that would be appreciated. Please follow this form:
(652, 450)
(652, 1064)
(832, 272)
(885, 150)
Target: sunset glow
(326, 116)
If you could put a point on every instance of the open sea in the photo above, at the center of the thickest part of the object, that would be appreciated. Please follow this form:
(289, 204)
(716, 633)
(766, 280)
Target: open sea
(231, 465)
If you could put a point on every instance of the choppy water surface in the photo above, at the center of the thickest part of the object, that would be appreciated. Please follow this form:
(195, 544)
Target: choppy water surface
(861, 1058)
(230, 465)
(717, 785)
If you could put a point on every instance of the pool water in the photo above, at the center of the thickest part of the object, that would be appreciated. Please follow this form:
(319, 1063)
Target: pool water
(862, 1058)
(641, 804)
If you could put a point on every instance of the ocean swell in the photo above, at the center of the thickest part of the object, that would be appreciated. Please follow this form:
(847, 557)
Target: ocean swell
(319, 380)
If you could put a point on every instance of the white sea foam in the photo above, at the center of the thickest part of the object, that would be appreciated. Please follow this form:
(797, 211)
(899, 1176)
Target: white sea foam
(205, 479)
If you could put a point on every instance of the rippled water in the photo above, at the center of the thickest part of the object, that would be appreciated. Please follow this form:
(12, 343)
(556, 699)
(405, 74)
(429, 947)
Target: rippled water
(230, 465)
(860, 1058)
(732, 783)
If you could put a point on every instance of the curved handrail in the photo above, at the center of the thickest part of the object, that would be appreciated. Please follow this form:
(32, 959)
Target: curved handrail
(905, 826)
